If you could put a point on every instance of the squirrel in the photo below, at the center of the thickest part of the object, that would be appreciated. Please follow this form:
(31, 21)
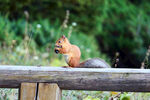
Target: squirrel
(72, 55)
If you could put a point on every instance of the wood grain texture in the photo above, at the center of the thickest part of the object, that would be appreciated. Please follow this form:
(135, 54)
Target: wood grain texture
(28, 91)
(49, 92)
(106, 79)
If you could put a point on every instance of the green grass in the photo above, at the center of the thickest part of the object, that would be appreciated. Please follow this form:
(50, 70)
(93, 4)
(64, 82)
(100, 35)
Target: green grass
(39, 36)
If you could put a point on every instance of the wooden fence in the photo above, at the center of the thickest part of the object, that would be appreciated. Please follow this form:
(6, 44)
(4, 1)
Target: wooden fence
(46, 83)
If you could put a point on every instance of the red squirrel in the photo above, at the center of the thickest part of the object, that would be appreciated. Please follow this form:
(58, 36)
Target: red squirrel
(72, 55)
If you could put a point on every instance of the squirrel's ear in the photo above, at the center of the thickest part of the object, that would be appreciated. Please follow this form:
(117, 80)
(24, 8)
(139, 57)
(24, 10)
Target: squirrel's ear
(63, 36)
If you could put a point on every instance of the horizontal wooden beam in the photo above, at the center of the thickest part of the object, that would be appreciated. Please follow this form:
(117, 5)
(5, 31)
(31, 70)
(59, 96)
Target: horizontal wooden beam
(106, 79)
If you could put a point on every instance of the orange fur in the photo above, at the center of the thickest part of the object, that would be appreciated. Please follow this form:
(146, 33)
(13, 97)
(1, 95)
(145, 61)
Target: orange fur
(71, 52)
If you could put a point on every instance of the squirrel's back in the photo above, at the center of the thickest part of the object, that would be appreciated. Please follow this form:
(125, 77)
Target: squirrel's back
(75, 51)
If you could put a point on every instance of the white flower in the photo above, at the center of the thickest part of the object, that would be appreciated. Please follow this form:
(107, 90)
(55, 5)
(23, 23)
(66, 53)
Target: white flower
(18, 49)
(82, 47)
(38, 26)
(74, 24)
(35, 57)
(88, 50)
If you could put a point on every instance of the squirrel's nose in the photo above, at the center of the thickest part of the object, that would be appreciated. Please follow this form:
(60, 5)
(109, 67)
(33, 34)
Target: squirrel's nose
(56, 51)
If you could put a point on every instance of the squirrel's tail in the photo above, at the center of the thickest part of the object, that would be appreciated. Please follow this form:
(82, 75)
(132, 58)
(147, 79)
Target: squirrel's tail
(94, 63)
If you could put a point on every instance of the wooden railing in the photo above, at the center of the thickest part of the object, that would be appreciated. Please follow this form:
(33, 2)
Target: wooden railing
(46, 83)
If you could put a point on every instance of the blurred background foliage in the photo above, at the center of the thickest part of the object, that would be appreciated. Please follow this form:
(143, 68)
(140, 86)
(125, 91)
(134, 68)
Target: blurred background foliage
(112, 26)
(109, 29)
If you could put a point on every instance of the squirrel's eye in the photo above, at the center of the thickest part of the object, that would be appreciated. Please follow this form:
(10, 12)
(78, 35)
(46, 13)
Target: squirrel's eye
(59, 41)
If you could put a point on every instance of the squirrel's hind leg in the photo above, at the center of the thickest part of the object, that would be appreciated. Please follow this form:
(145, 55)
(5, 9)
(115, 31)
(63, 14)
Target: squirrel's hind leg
(66, 67)
(74, 62)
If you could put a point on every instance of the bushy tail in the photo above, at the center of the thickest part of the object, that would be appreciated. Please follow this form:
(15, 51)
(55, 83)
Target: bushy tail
(94, 63)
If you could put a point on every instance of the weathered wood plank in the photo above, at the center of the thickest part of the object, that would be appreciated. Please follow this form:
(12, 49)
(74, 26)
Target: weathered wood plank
(108, 79)
(28, 91)
(49, 92)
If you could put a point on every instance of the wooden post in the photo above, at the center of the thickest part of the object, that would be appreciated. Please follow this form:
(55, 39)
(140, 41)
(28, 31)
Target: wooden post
(28, 91)
(44, 91)
(49, 92)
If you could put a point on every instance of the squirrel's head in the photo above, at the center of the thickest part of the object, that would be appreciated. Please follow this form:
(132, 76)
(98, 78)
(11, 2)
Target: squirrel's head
(62, 45)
